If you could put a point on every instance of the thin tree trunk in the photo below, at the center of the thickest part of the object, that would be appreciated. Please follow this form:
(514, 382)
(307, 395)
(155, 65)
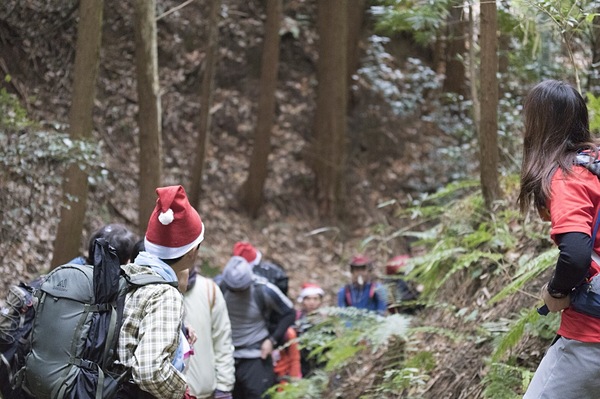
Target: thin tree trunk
(330, 114)
(206, 96)
(356, 16)
(455, 52)
(149, 113)
(253, 187)
(594, 75)
(473, 71)
(488, 132)
(75, 185)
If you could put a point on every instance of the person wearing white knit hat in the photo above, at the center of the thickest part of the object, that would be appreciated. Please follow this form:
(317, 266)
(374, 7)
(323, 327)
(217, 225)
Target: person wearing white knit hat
(151, 342)
(311, 298)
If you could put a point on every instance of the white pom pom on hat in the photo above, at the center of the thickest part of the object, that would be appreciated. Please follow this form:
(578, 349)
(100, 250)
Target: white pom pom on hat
(174, 227)
(166, 217)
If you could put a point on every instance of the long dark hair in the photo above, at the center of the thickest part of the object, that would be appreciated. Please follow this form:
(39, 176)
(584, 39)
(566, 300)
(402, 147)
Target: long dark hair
(556, 127)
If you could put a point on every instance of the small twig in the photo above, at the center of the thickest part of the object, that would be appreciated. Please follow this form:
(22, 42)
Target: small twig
(172, 10)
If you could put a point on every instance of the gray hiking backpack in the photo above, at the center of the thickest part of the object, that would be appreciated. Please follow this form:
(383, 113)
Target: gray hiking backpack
(75, 331)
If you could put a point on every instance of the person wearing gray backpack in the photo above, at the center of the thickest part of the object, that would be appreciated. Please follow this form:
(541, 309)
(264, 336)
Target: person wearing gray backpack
(120, 326)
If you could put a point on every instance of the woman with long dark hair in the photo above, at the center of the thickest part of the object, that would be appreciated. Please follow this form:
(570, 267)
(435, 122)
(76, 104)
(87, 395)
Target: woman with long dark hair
(568, 195)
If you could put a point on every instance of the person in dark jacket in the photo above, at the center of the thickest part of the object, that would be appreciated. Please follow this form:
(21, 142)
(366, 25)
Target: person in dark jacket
(250, 302)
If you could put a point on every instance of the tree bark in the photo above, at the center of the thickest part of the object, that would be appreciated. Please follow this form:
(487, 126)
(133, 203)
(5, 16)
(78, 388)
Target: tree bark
(149, 112)
(330, 115)
(206, 95)
(455, 81)
(594, 74)
(356, 16)
(488, 131)
(75, 185)
(252, 190)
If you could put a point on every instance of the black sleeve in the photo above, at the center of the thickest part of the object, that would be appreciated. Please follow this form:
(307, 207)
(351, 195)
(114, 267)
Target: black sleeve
(573, 261)
(281, 305)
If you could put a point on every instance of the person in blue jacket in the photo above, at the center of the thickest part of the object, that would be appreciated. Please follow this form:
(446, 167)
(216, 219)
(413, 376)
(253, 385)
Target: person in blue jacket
(363, 292)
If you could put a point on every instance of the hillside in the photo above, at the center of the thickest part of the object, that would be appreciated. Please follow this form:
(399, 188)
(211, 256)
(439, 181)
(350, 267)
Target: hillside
(394, 149)
(384, 153)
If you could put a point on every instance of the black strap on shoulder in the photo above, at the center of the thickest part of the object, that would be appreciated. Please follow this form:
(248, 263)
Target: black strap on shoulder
(140, 280)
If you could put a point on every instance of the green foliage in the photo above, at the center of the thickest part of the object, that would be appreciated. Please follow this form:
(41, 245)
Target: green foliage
(336, 338)
(502, 379)
(346, 331)
(528, 272)
(464, 238)
(403, 88)
(593, 104)
(312, 387)
(546, 23)
(461, 238)
(399, 379)
(12, 115)
(422, 18)
(514, 334)
(31, 165)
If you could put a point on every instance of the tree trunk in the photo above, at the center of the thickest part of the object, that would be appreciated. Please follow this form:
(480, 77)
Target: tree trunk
(594, 75)
(488, 131)
(473, 71)
(356, 16)
(75, 185)
(330, 115)
(455, 81)
(149, 113)
(206, 95)
(253, 187)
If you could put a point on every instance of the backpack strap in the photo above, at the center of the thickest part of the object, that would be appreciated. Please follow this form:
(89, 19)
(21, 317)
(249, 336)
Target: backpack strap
(372, 290)
(211, 287)
(348, 295)
(140, 280)
(595, 256)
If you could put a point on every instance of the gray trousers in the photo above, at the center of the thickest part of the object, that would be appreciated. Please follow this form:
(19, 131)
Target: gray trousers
(569, 370)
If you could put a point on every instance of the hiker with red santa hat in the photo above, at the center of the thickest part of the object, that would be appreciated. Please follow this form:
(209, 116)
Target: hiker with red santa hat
(363, 292)
(151, 342)
(273, 272)
(310, 300)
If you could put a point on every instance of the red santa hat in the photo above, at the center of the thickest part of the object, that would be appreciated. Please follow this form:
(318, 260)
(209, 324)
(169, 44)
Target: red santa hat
(174, 227)
(248, 252)
(309, 289)
(361, 260)
(395, 264)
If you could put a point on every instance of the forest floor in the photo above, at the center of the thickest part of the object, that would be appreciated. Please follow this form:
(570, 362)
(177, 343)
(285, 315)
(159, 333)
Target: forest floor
(391, 158)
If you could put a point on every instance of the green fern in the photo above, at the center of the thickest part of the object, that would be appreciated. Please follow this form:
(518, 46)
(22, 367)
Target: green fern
(528, 272)
(312, 387)
(503, 379)
(514, 335)
(446, 332)
(466, 260)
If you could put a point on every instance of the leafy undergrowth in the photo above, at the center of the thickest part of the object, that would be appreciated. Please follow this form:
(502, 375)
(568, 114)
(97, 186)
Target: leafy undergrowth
(479, 271)
(478, 336)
